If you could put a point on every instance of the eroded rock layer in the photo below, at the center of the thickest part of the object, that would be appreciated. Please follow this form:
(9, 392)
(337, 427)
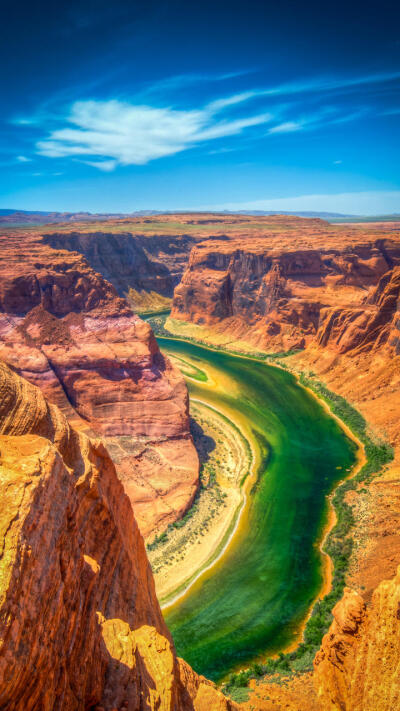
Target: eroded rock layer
(64, 328)
(357, 667)
(130, 261)
(280, 290)
(80, 625)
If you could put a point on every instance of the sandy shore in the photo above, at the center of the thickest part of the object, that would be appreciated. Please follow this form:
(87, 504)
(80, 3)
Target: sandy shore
(193, 547)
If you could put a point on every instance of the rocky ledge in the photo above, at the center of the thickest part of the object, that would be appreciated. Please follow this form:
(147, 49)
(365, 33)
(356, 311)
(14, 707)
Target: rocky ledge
(65, 329)
(80, 625)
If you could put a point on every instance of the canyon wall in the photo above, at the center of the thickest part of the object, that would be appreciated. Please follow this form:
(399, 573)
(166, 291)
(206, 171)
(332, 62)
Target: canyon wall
(80, 625)
(277, 294)
(152, 263)
(64, 328)
(357, 668)
(334, 295)
(368, 326)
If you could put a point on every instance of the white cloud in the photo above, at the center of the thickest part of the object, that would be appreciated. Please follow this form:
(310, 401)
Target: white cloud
(120, 133)
(325, 116)
(105, 134)
(106, 165)
(219, 104)
(23, 159)
(320, 84)
(286, 127)
(372, 202)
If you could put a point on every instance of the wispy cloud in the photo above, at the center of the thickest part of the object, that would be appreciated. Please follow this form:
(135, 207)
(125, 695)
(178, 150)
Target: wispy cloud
(392, 112)
(109, 133)
(107, 166)
(325, 116)
(287, 127)
(181, 81)
(324, 84)
(120, 133)
(318, 84)
(23, 159)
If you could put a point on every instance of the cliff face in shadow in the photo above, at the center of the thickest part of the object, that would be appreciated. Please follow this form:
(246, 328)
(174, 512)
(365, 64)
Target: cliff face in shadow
(128, 260)
(80, 623)
(370, 325)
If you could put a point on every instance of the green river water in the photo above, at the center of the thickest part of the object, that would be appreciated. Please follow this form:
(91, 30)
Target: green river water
(253, 601)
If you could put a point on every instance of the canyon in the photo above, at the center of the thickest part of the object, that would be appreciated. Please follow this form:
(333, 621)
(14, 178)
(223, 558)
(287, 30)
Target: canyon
(326, 294)
(64, 328)
(296, 283)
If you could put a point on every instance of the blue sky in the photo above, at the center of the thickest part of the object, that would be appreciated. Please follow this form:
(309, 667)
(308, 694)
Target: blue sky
(116, 107)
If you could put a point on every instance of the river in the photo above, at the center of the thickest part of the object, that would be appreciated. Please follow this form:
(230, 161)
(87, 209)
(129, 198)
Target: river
(253, 601)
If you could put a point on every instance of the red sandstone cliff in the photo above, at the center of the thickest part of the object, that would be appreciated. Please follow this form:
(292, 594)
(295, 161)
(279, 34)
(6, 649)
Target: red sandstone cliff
(80, 625)
(335, 291)
(277, 290)
(63, 327)
(128, 260)
(367, 326)
(357, 668)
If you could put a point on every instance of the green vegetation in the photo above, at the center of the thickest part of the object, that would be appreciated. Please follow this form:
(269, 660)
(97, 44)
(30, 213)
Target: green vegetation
(157, 322)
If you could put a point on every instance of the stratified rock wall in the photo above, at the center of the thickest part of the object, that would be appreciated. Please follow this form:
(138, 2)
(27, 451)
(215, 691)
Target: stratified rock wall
(64, 328)
(278, 295)
(80, 625)
(367, 326)
(130, 261)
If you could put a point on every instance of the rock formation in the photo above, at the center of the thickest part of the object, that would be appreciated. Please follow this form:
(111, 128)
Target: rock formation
(277, 290)
(357, 668)
(64, 328)
(129, 261)
(333, 292)
(80, 623)
(368, 326)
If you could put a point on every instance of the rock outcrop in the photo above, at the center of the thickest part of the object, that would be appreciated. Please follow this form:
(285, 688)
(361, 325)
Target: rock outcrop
(64, 328)
(357, 668)
(130, 261)
(278, 290)
(368, 326)
(80, 625)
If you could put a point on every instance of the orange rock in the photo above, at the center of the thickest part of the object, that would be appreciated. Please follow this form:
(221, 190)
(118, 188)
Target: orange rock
(357, 666)
(276, 288)
(80, 625)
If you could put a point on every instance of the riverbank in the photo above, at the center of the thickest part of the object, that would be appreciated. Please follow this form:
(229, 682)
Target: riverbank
(192, 545)
(373, 457)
